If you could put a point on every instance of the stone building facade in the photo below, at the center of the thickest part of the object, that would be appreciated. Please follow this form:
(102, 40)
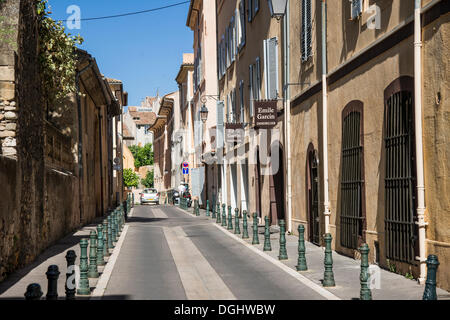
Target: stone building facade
(54, 160)
(371, 129)
(249, 57)
(201, 20)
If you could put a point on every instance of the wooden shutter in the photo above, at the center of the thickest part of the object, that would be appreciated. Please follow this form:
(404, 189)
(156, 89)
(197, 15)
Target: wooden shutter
(241, 101)
(257, 79)
(250, 88)
(220, 125)
(271, 72)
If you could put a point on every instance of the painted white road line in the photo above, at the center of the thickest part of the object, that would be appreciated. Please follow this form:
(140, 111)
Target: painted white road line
(200, 280)
(158, 213)
(307, 282)
(99, 290)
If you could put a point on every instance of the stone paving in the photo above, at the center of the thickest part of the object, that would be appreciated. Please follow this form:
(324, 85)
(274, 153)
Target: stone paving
(14, 287)
(346, 270)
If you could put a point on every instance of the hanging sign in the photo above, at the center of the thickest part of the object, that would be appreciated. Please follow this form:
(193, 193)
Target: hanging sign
(266, 114)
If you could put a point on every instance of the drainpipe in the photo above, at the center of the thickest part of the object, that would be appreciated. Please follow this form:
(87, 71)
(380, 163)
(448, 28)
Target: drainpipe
(326, 203)
(419, 134)
(287, 109)
(80, 136)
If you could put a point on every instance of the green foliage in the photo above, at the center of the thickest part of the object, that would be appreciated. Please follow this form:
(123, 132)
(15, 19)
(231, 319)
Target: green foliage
(148, 180)
(57, 56)
(143, 156)
(130, 178)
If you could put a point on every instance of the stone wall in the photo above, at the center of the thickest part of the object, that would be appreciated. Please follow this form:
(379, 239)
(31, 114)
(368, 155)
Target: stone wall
(9, 19)
(38, 205)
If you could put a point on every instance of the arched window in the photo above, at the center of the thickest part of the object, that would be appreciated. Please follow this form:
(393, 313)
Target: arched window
(400, 175)
(352, 215)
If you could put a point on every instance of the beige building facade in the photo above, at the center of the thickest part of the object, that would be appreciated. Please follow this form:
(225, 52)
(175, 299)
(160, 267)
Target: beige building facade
(203, 173)
(372, 130)
(249, 58)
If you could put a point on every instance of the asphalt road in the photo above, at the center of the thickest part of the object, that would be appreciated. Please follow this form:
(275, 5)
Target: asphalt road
(170, 255)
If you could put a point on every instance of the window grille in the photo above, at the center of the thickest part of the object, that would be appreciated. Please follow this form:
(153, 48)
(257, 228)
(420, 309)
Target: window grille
(400, 179)
(352, 219)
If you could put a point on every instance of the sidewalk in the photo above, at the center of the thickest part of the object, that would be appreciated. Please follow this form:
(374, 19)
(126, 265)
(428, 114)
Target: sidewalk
(346, 270)
(15, 285)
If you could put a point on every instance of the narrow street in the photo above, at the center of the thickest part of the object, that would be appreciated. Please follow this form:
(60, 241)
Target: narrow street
(168, 254)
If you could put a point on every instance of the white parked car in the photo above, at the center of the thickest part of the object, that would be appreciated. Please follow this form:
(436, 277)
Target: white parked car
(149, 196)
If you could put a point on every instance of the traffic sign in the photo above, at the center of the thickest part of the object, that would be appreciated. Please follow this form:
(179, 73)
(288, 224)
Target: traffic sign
(185, 170)
(185, 165)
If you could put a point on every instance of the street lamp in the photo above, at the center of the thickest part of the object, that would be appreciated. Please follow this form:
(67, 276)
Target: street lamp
(204, 114)
(277, 8)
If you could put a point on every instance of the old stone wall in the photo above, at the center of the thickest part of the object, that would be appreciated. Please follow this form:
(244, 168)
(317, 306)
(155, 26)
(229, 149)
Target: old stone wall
(38, 204)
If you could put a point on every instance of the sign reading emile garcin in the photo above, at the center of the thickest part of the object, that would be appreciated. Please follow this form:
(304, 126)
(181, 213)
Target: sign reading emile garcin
(266, 114)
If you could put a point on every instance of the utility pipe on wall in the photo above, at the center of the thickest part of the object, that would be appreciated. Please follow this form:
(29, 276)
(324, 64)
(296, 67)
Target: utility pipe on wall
(326, 201)
(287, 113)
(419, 134)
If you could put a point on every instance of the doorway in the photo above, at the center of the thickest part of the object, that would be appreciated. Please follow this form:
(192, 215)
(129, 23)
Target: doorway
(313, 196)
(277, 198)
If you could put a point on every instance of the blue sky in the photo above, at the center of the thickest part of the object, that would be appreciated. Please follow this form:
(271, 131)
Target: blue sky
(144, 51)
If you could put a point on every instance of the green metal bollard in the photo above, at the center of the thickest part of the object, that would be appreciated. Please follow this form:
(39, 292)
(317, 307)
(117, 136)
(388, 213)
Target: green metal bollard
(116, 223)
(365, 293)
(255, 229)
(244, 225)
(267, 245)
(52, 277)
(237, 227)
(224, 215)
(230, 219)
(328, 276)
(100, 257)
(113, 230)
(283, 252)
(197, 208)
(214, 210)
(110, 242)
(105, 239)
(83, 288)
(301, 263)
(218, 220)
(33, 292)
(70, 275)
(93, 271)
(430, 284)
(207, 209)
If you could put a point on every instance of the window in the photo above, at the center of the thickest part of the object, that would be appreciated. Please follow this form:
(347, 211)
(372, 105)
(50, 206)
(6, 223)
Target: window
(233, 40)
(400, 175)
(356, 8)
(306, 30)
(241, 24)
(254, 84)
(241, 102)
(220, 125)
(271, 68)
(252, 10)
(250, 88)
(255, 7)
(257, 80)
(352, 179)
